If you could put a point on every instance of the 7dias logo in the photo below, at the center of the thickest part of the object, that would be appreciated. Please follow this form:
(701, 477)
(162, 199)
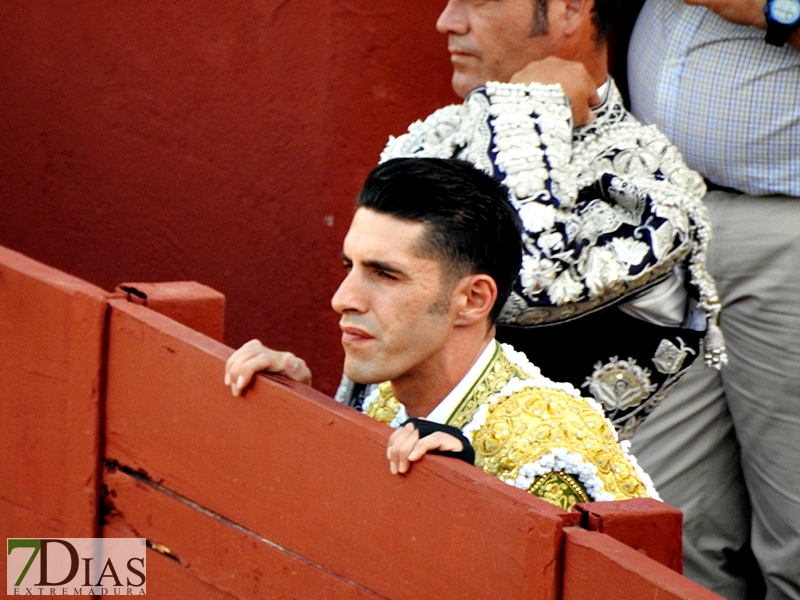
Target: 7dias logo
(76, 567)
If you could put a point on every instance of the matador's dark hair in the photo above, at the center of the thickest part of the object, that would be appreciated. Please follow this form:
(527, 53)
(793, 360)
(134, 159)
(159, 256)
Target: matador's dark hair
(471, 223)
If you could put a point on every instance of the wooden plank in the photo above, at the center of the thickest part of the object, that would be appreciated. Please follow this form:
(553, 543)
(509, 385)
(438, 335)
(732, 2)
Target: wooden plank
(599, 567)
(651, 527)
(310, 475)
(209, 556)
(167, 579)
(195, 305)
(52, 329)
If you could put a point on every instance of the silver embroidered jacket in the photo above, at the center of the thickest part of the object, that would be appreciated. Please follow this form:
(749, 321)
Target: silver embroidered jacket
(607, 209)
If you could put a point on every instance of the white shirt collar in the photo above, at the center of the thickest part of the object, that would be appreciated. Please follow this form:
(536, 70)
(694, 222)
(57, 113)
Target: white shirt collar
(602, 92)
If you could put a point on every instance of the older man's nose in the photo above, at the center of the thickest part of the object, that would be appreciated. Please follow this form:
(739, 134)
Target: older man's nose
(453, 19)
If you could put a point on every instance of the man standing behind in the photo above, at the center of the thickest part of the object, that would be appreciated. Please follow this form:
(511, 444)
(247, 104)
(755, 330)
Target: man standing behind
(430, 257)
(722, 79)
(613, 294)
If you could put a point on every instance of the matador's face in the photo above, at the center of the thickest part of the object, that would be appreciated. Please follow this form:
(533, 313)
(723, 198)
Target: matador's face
(395, 304)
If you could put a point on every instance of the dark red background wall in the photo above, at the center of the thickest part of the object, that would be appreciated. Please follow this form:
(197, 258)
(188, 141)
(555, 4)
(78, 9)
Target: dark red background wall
(221, 142)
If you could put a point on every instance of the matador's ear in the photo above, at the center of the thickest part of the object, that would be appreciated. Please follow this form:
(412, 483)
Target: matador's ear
(474, 296)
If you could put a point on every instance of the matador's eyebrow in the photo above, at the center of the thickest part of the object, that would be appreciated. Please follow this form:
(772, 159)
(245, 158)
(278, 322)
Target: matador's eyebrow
(382, 266)
(375, 264)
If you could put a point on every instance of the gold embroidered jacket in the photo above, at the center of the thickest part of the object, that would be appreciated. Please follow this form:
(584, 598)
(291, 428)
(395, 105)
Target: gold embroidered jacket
(537, 435)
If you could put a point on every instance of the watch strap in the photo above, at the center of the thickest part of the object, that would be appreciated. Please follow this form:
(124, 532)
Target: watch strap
(778, 33)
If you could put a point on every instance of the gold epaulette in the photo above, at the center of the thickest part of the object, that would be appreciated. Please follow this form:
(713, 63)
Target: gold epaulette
(557, 447)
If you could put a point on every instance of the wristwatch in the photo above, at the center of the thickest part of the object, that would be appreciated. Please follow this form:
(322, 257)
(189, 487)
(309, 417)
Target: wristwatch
(783, 18)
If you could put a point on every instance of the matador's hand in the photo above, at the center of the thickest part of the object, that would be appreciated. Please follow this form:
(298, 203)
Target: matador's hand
(418, 437)
(405, 447)
(254, 357)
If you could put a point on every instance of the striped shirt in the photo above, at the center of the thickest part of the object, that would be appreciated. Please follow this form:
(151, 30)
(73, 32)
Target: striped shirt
(729, 101)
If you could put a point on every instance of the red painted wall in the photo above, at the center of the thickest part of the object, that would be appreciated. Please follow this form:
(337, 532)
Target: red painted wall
(221, 142)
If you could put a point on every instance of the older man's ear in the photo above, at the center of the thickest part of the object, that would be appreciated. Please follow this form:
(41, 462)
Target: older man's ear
(254, 357)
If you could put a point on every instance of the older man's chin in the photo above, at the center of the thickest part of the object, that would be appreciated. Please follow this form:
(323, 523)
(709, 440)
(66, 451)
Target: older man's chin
(463, 83)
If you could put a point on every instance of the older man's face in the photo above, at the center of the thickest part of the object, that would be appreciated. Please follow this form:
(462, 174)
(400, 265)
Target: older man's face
(490, 40)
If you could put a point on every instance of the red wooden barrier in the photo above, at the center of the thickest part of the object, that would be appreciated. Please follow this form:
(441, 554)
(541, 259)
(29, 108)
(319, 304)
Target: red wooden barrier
(202, 555)
(291, 466)
(51, 354)
(195, 305)
(599, 567)
(651, 527)
(282, 493)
